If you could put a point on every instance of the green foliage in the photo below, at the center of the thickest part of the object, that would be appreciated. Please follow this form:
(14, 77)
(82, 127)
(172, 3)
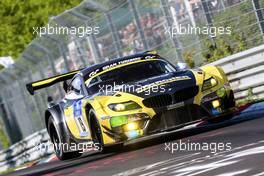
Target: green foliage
(3, 138)
(250, 99)
(250, 96)
(245, 33)
(18, 17)
(188, 57)
(148, 3)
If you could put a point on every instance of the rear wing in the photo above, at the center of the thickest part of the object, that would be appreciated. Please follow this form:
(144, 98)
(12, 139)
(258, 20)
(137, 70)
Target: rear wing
(31, 87)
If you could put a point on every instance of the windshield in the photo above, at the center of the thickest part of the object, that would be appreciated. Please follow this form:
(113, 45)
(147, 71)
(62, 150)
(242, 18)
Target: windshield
(130, 73)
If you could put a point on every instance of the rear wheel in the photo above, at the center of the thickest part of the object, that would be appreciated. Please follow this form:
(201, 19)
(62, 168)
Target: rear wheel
(59, 145)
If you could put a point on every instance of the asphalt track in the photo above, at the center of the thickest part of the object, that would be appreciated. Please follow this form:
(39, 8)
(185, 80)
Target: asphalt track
(158, 155)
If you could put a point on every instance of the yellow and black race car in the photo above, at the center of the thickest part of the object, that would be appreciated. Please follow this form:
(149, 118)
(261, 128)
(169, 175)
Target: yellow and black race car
(122, 99)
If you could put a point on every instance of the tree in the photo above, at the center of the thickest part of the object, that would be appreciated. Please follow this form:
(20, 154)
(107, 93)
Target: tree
(18, 17)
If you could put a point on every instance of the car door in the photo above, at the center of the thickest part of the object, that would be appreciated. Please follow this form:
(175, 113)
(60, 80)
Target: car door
(73, 109)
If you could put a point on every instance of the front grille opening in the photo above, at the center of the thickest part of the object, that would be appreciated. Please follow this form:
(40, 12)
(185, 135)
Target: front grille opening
(186, 94)
(120, 129)
(176, 118)
(158, 101)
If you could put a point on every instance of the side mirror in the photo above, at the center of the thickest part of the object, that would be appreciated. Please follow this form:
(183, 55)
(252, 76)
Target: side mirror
(181, 66)
(65, 86)
(50, 101)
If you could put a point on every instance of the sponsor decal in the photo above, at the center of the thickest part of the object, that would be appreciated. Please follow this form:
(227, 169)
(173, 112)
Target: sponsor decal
(165, 81)
(115, 64)
(77, 112)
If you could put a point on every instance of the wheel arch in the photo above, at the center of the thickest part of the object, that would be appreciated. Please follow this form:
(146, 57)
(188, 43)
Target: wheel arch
(91, 122)
(48, 115)
(55, 116)
(88, 107)
(216, 71)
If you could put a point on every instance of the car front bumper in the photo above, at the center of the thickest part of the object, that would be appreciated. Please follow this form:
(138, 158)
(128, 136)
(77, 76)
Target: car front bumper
(174, 116)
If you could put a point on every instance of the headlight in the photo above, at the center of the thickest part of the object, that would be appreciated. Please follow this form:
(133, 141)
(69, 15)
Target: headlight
(118, 121)
(221, 92)
(209, 83)
(125, 106)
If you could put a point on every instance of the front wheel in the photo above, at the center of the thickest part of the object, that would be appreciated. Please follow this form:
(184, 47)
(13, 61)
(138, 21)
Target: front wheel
(96, 131)
(98, 137)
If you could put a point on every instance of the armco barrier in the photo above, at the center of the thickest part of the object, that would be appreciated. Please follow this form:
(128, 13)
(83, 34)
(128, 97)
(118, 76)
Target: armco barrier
(245, 71)
(25, 151)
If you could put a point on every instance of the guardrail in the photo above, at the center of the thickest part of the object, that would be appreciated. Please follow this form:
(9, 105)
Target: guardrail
(245, 71)
(25, 151)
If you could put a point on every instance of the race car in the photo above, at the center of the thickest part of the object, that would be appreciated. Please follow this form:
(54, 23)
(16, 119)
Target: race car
(110, 103)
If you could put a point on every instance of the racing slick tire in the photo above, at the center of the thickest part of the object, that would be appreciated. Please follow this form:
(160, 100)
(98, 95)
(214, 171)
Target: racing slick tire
(56, 140)
(96, 132)
(97, 135)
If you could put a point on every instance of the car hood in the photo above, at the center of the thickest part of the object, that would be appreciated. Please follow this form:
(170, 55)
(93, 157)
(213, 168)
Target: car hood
(165, 83)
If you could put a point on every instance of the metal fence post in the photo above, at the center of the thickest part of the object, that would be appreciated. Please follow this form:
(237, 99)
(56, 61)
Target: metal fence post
(39, 67)
(35, 100)
(223, 4)
(115, 36)
(50, 61)
(5, 125)
(138, 24)
(208, 17)
(60, 46)
(12, 128)
(26, 103)
(259, 16)
(190, 12)
(176, 42)
(80, 51)
(22, 84)
(91, 38)
(11, 125)
(47, 54)
(94, 48)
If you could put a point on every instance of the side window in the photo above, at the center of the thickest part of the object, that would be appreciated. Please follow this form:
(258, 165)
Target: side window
(94, 85)
(76, 86)
(94, 81)
(165, 67)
